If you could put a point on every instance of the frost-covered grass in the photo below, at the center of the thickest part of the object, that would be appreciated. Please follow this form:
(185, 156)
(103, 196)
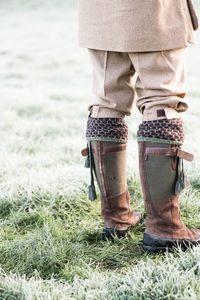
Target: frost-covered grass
(50, 241)
(170, 277)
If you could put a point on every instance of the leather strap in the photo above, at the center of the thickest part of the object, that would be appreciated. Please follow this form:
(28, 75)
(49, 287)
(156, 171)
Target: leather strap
(173, 152)
(185, 155)
(114, 148)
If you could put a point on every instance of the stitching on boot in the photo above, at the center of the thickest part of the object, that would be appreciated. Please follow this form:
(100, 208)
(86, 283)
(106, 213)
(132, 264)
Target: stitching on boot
(100, 168)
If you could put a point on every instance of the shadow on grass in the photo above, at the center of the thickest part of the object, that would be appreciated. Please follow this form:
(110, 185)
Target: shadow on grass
(195, 185)
(63, 239)
(9, 294)
(109, 255)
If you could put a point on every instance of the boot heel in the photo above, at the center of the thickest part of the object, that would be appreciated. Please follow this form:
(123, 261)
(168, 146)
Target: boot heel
(156, 244)
(109, 234)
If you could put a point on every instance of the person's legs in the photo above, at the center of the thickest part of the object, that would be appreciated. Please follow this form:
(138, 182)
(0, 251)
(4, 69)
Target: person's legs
(161, 88)
(161, 83)
(107, 135)
(112, 73)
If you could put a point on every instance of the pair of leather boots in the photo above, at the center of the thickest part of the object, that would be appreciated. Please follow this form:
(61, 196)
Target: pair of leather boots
(162, 179)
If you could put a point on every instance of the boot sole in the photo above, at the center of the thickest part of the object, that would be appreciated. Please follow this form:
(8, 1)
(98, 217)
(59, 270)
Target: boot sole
(155, 244)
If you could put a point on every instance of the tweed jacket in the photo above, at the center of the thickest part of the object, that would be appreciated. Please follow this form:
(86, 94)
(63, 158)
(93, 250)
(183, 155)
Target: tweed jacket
(136, 25)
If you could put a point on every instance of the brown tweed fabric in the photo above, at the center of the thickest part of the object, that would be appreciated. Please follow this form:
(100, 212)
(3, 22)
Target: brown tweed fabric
(107, 129)
(170, 130)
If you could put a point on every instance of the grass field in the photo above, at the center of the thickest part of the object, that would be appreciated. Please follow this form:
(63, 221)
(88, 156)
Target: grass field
(50, 234)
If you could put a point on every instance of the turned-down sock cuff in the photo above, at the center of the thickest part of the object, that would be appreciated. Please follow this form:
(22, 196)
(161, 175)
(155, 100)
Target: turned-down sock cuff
(107, 129)
(164, 131)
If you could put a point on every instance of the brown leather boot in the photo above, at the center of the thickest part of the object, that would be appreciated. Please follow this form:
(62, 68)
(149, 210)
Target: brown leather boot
(162, 179)
(109, 160)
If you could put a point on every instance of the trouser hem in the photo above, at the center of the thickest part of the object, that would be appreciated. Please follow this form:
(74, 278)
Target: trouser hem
(169, 113)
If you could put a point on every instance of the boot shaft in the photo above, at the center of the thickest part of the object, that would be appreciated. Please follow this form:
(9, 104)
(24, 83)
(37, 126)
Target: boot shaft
(107, 138)
(160, 172)
(110, 170)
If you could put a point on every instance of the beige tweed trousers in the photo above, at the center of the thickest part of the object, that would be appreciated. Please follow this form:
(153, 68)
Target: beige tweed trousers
(160, 83)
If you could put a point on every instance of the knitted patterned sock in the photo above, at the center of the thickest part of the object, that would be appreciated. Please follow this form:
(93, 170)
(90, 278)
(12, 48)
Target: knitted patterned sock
(107, 129)
(163, 131)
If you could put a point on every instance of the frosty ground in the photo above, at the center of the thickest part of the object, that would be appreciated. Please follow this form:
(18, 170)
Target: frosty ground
(50, 234)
